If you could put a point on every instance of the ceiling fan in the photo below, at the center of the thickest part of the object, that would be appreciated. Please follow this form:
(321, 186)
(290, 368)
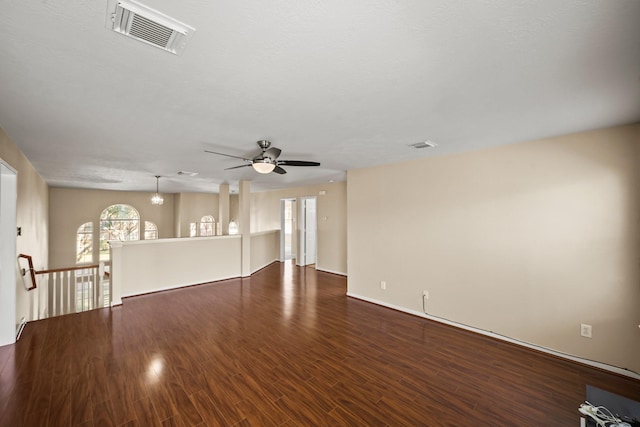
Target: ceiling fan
(267, 161)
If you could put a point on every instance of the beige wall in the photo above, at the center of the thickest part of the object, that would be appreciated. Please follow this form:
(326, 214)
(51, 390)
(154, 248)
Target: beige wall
(265, 249)
(70, 207)
(191, 207)
(331, 212)
(32, 215)
(180, 209)
(528, 240)
(149, 266)
(234, 208)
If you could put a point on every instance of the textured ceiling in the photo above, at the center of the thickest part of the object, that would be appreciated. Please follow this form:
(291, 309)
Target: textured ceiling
(349, 84)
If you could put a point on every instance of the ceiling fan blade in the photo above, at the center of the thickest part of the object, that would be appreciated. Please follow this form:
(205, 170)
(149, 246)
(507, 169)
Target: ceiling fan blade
(279, 170)
(297, 163)
(236, 167)
(228, 155)
(273, 152)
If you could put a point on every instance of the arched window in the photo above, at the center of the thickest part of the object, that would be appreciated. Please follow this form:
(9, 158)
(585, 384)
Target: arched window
(84, 243)
(150, 230)
(118, 222)
(206, 225)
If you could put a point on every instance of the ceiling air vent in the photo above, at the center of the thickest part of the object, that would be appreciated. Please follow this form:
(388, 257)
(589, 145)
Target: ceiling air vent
(142, 23)
(423, 144)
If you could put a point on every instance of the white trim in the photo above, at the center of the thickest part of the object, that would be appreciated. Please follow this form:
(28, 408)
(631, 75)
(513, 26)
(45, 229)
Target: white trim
(120, 243)
(303, 244)
(21, 325)
(8, 166)
(599, 365)
(169, 288)
(259, 233)
(326, 270)
(8, 254)
(263, 266)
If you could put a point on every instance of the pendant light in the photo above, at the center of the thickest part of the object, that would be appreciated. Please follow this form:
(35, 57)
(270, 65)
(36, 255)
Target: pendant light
(157, 199)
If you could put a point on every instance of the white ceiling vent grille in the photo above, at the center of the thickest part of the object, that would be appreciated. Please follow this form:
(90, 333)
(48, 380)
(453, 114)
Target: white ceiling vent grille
(142, 23)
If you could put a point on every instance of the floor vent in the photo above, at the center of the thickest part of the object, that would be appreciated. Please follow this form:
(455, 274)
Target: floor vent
(147, 25)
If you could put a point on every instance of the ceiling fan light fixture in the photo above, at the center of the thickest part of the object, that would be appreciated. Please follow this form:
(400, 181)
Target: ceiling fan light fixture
(267, 161)
(263, 166)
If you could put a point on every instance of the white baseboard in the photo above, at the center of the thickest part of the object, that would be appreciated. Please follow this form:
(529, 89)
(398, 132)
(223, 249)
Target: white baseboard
(588, 362)
(326, 270)
(20, 328)
(265, 265)
(172, 287)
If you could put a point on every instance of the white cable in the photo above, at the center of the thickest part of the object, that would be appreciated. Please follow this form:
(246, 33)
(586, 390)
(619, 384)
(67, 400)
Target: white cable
(601, 415)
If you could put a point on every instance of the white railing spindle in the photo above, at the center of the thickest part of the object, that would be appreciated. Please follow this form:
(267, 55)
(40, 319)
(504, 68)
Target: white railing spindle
(68, 290)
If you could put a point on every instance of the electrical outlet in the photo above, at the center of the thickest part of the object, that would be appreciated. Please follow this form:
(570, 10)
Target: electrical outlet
(425, 294)
(585, 330)
(383, 285)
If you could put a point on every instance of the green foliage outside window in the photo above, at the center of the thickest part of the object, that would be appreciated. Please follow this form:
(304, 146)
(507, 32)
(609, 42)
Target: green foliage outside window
(118, 222)
(84, 243)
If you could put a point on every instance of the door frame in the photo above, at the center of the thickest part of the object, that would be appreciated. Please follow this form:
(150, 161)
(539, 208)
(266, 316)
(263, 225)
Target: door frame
(8, 252)
(301, 260)
(294, 231)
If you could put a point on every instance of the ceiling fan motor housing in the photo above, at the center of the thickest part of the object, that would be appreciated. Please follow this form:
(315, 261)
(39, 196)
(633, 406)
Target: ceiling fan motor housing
(264, 144)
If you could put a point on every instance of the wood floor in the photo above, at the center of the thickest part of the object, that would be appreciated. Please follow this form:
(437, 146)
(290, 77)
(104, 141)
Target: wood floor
(283, 348)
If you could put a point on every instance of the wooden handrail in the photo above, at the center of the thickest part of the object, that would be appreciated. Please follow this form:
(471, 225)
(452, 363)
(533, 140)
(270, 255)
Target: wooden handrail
(66, 290)
(31, 270)
(58, 270)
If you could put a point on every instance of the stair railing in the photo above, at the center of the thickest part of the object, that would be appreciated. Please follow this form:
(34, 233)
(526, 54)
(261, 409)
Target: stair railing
(67, 290)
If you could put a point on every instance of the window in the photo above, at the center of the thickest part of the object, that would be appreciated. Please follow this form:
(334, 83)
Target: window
(193, 229)
(206, 225)
(150, 230)
(84, 243)
(118, 222)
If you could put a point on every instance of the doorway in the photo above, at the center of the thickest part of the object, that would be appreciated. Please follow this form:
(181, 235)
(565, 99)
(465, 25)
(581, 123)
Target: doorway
(288, 240)
(308, 231)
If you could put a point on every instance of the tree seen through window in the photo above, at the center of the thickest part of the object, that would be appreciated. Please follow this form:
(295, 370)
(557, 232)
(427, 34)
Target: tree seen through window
(118, 222)
(84, 243)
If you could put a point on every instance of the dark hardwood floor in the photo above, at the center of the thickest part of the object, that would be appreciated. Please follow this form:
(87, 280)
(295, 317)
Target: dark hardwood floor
(283, 348)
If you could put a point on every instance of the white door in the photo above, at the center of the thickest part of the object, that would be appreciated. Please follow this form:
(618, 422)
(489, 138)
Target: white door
(8, 260)
(308, 226)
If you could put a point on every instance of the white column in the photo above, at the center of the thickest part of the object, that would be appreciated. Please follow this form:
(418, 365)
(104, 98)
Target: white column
(223, 208)
(115, 275)
(244, 225)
